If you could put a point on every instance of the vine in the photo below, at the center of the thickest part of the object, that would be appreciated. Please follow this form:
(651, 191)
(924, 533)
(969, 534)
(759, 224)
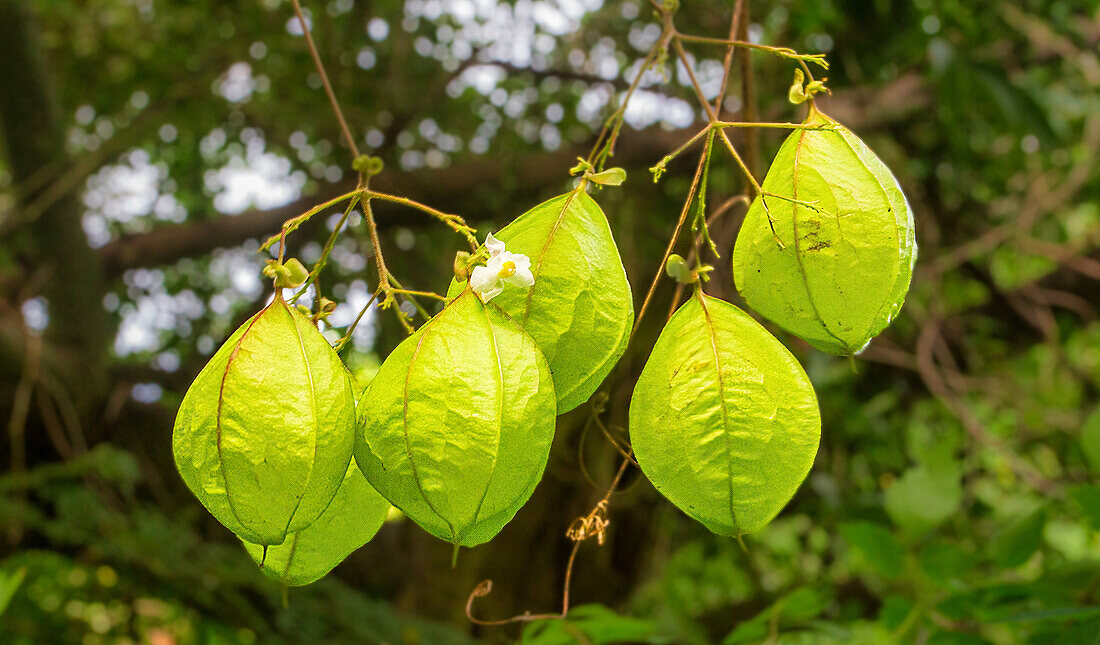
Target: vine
(596, 522)
(523, 377)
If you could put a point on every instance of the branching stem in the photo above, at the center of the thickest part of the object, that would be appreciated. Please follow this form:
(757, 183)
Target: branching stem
(323, 260)
(782, 52)
(351, 328)
(604, 147)
(594, 524)
(348, 139)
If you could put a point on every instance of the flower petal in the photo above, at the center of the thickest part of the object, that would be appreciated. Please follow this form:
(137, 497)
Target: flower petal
(521, 261)
(522, 277)
(483, 279)
(496, 262)
(495, 246)
(489, 294)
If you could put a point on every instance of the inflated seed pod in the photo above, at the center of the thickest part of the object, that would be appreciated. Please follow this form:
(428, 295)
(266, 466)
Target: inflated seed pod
(841, 267)
(349, 522)
(456, 427)
(264, 434)
(723, 419)
(580, 310)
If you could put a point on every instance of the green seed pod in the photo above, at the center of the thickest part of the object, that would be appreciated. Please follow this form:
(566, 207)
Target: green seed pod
(723, 420)
(264, 434)
(455, 429)
(580, 310)
(349, 522)
(847, 257)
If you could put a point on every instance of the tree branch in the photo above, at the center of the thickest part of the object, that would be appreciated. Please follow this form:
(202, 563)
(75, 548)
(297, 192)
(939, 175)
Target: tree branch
(451, 187)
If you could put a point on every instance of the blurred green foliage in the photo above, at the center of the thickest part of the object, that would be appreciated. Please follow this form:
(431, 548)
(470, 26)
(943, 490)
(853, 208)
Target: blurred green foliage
(955, 497)
(119, 570)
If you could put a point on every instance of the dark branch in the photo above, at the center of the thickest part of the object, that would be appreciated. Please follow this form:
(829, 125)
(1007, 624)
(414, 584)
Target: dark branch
(450, 188)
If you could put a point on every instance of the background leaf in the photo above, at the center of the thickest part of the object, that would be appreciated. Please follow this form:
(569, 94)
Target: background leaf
(1014, 545)
(876, 545)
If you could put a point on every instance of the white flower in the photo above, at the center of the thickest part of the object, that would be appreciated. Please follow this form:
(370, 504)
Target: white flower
(502, 267)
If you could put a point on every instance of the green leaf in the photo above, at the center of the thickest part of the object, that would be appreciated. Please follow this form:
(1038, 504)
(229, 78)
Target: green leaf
(945, 561)
(264, 435)
(805, 603)
(9, 584)
(924, 496)
(455, 429)
(1087, 498)
(876, 545)
(349, 522)
(580, 310)
(955, 638)
(793, 608)
(843, 268)
(1057, 613)
(1015, 544)
(592, 624)
(1090, 440)
(894, 611)
(753, 630)
(609, 177)
(723, 419)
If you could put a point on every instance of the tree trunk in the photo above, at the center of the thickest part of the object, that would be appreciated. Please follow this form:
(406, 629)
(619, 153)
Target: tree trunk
(49, 239)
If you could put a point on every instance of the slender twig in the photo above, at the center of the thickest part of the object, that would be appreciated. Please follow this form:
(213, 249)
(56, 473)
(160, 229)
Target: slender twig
(668, 249)
(455, 222)
(384, 276)
(722, 209)
(315, 273)
(682, 55)
(387, 283)
(782, 52)
(757, 190)
(351, 328)
(735, 26)
(425, 294)
(748, 95)
(292, 224)
(659, 167)
(602, 149)
(410, 295)
(594, 524)
(786, 125)
(348, 139)
(699, 227)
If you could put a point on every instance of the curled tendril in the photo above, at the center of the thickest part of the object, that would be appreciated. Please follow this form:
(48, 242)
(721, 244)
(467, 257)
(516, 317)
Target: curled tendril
(593, 524)
(585, 527)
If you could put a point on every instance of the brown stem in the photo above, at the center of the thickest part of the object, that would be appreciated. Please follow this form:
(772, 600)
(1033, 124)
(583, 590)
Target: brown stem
(718, 212)
(454, 222)
(351, 328)
(748, 97)
(682, 55)
(601, 150)
(592, 525)
(668, 249)
(348, 139)
(735, 26)
(783, 52)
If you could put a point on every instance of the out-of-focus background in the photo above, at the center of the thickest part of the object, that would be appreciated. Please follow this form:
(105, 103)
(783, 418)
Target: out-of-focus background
(148, 146)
